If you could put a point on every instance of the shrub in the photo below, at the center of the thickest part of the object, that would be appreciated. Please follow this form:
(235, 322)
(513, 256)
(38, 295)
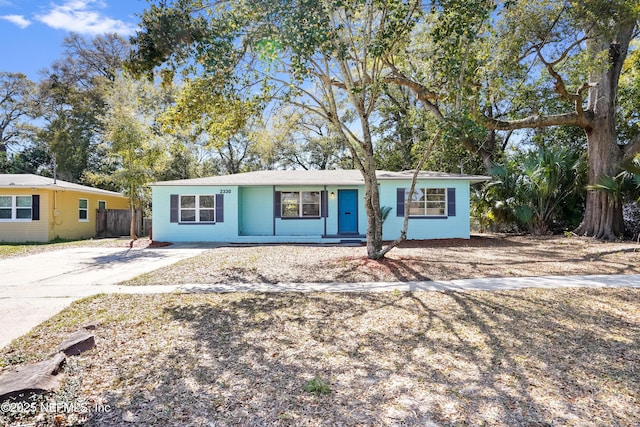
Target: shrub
(631, 216)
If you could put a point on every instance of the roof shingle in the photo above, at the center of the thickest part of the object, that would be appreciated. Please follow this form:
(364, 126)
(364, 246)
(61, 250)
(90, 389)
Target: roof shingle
(312, 177)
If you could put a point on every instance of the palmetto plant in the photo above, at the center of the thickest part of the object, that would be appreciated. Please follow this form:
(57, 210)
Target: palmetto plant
(536, 189)
(632, 169)
(384, 212)
(552, 178)
(624, 184)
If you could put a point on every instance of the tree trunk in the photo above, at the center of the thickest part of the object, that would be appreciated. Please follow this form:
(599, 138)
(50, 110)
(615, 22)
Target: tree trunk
(603, 211)
(371, 197)
(132, 227)
(374, 220)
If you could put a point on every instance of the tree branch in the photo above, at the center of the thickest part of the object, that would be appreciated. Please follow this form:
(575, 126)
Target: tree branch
(414, 179)
(506, 140)
(559, 85)
(536, 121)
(422, 93)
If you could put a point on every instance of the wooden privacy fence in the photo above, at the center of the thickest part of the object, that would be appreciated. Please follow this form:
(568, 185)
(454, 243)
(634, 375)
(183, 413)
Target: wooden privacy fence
(116, 222)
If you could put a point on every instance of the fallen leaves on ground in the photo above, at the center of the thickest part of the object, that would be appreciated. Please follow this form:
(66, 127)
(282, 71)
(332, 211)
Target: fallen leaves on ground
(448, 259)
(536, 357)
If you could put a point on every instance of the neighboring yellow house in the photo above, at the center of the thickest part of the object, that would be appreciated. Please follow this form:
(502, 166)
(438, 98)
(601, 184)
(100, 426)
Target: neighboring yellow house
(38, 209)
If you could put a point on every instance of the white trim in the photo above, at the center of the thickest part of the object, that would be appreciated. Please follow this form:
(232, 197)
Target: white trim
(83, 209)
(14, 208)
(427, 201)
(197, 208)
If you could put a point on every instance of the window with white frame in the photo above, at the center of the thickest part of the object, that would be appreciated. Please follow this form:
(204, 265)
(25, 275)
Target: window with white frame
(198, 208)
(428, 202)
(15, 208)
(102, 205)
(300, 204)
(83, 209)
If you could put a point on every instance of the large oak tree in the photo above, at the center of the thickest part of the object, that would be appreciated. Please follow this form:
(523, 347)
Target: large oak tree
(580, 49)
(72, 96)
(529, 64)
(325, 57)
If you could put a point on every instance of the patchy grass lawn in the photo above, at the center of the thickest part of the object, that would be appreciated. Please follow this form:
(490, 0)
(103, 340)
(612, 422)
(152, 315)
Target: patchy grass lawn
(565, 357)
(8, 249)
(448, 259)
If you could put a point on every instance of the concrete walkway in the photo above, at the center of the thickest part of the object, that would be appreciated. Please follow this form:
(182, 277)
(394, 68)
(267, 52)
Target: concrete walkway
(33, 288)
(490, 284)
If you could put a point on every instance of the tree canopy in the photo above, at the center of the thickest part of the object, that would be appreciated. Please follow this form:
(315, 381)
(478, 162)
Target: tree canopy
(17, 103)
(460, 86)
(476, 67)
(324, 57)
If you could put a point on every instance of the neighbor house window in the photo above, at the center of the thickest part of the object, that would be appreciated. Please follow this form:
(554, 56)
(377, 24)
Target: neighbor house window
(300, 204)
(428, 202)
(198, 208)
(102, 205)
(6, 207)
(83, 209)
(15, 208)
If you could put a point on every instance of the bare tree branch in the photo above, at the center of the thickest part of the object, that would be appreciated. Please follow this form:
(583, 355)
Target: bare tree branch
(559, 85)
(537, 121)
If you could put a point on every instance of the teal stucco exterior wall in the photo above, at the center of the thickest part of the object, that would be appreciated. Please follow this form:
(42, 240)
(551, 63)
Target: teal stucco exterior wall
(165, 230)
(457, 226)
(249, 215)
(255, 211)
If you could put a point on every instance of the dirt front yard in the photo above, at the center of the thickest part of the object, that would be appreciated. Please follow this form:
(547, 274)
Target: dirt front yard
(506, 359)
(481, 256)
(534, 357)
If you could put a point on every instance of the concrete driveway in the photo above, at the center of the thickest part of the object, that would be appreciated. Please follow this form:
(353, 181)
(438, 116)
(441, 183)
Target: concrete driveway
(35, 287)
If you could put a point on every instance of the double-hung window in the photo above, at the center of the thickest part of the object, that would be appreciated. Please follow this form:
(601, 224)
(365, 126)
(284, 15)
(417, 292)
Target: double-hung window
(198, 208)
(16, 208)
(6, 207)
(83, 210)
(428, 202)
(300, 204)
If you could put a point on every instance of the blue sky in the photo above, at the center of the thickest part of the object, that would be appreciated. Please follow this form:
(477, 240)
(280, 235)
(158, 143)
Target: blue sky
(32, 31)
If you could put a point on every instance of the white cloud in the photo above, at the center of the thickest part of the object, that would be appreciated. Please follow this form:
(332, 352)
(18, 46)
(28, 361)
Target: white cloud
(80, 16)
(19, 20)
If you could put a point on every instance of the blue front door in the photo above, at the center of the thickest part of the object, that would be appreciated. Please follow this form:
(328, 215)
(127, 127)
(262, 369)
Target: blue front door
(347, 211)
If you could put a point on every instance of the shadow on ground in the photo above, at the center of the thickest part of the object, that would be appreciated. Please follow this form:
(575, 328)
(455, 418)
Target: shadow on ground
(526, 358)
